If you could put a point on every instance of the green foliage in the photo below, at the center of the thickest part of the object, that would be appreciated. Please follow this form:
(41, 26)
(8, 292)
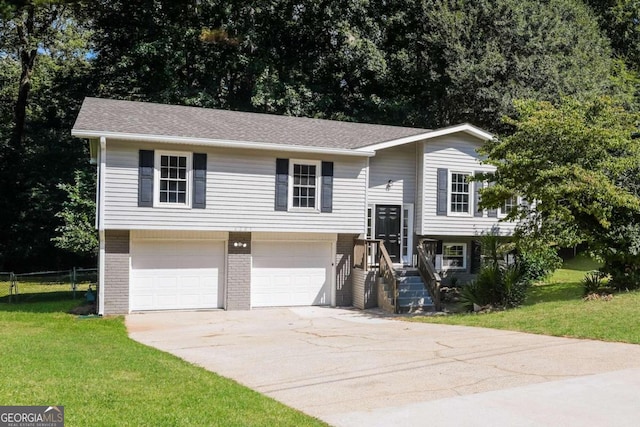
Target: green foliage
(538, 261)
(592, 282)
(494, 247)
(418, 63)
(105, 378)
(557, 308)
(624, 270)
(470, 295)
(619, 20)
(497, 285)
(34, 160)
(579, 162)
(467, 60)
(515, 285)
(78, 234)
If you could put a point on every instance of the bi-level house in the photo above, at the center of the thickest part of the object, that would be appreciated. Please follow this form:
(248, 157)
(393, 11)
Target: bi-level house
(201, 208)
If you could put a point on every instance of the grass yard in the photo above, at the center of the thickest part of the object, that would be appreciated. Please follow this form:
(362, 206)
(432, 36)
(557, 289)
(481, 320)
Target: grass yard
(90, 366)
(556, 308)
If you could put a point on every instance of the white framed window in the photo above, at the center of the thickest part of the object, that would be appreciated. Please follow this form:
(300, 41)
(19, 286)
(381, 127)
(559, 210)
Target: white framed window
(454, 256)
(304, 188)
(459, 193)
(172, 186)
(509, 206)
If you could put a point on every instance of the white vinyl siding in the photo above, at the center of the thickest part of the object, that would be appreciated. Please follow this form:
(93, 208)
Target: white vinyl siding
(456, 153)
(397, 164)
(240, 194)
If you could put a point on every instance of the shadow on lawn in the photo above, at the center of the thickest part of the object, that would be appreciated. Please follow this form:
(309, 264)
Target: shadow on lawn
(45, 302)
(554, 292)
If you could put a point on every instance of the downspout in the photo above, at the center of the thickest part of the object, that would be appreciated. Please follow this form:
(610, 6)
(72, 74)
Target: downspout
(366, 201)
(102, 160)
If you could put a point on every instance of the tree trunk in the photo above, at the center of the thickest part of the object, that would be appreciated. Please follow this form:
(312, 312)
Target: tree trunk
(27, 58)
(28, 55)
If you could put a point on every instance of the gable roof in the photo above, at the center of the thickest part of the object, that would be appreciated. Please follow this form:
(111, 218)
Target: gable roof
(461, 128)
(146, 121)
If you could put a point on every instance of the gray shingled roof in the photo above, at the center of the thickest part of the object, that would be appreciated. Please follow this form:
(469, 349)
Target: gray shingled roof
(145, 118)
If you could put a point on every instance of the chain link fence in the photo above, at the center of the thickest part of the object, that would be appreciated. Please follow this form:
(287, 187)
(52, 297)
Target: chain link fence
(37, 285)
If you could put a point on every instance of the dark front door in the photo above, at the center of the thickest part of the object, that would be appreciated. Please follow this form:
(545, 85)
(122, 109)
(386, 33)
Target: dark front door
(388, 228)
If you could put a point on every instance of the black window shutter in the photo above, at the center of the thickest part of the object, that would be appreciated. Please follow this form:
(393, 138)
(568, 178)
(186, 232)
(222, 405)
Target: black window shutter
(326, 191)
(439, 247)
(199, 181)
(477, 185)
(282, 184)
(442, 187)
(145, 178)
(492, 213)
(476, 256)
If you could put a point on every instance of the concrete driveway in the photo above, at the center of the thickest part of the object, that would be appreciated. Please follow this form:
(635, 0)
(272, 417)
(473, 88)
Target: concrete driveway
(351, 368)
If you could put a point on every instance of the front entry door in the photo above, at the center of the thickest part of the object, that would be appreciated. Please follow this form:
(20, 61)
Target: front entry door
(388, 229)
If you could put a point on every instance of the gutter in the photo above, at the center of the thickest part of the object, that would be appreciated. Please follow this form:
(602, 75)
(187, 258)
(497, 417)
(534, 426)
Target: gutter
(90, 134)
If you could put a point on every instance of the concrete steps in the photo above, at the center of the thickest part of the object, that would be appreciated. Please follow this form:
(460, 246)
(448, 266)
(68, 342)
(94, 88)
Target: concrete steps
(412, 292)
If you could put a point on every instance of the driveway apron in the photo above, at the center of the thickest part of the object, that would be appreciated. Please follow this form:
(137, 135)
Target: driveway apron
(350, 367)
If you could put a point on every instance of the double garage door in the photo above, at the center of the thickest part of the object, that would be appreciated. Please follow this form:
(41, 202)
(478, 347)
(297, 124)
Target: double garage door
(172, 274)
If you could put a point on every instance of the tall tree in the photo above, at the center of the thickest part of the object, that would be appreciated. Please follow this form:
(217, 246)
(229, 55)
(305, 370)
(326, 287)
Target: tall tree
(620, 20)
(467, 60)
(43, 70)
(579, 164)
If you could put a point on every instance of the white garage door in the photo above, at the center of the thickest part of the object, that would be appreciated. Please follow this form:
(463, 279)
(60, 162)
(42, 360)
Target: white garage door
(291, 273)
(176, 274)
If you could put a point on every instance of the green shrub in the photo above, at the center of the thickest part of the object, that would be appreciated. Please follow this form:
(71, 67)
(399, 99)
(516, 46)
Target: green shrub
(592, 282)
(538, 263)
(515, 284)
(624, 272)
(470, 295)
(497, 285)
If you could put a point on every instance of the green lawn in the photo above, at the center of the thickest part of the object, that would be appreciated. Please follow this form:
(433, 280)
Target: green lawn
(90, 366)
(556, 308)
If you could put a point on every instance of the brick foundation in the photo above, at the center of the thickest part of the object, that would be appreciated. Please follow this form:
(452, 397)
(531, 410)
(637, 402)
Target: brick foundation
(239, 272)
(116, 272)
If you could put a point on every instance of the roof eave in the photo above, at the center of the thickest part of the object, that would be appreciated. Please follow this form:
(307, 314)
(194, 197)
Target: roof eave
(90, 134)
(465, 127)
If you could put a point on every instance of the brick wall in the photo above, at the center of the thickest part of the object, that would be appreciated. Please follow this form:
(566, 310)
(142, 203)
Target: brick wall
(116, 272)
(344, 264)
(239, 272)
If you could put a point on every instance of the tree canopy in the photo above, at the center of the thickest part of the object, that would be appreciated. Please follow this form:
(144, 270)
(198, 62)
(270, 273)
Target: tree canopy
(578, 164)
(427, 63)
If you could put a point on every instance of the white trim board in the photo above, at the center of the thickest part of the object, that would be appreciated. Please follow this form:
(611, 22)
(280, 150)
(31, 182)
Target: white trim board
(89, 134)
(465, 127)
